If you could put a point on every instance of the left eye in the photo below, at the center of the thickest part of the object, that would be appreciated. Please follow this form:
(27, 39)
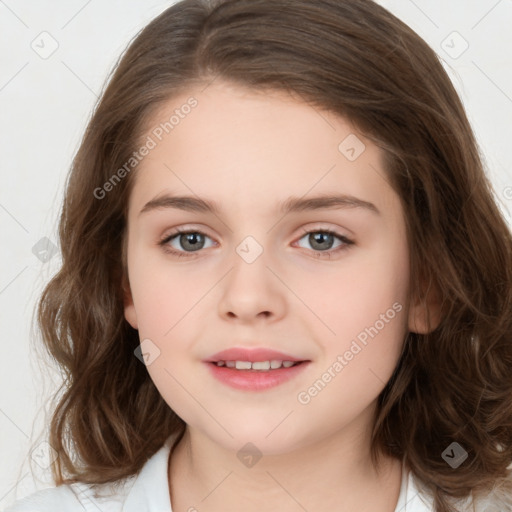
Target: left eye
(322, 240)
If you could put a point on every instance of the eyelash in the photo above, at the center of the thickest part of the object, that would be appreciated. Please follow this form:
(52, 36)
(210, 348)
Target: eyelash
(319, 254)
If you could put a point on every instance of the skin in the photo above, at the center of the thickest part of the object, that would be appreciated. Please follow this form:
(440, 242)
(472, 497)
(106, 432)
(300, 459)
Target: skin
(249, 151)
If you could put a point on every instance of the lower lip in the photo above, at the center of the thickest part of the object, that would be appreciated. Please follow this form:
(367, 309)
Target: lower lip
(255, 380)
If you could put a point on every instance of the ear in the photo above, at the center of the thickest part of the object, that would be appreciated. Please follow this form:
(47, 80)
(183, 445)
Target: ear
(129, 308)
(425, 315)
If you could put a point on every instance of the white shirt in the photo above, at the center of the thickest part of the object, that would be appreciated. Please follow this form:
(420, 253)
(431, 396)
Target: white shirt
(148, 491)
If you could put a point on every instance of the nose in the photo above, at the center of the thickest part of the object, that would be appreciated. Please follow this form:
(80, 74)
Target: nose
(251, 291)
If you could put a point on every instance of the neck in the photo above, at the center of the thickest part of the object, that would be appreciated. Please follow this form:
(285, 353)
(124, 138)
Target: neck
(333, 473)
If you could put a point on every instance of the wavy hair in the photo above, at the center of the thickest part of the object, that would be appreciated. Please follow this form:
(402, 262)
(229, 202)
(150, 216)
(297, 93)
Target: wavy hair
(356, 59)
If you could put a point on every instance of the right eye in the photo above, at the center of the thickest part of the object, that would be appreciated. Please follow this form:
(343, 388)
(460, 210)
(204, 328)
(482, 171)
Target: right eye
(190, 241)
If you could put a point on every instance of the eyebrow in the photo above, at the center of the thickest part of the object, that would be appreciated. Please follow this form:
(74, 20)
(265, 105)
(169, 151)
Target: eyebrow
(290, 205)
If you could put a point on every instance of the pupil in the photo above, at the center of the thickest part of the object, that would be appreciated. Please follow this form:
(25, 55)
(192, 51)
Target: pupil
(194, 239)
(319, 238)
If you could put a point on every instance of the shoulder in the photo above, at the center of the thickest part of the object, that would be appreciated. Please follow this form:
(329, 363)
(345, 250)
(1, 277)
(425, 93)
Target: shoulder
(148, 490)
(44, 500)
(418, 499)
(75, 498)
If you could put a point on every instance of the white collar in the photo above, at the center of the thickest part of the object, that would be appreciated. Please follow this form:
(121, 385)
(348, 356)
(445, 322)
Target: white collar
(410, 499)
(150, 490)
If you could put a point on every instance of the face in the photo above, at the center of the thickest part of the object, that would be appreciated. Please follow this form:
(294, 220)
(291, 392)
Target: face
(325, 283)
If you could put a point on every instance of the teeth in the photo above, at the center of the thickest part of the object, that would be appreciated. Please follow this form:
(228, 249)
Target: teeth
(264, 365)
(257, 365)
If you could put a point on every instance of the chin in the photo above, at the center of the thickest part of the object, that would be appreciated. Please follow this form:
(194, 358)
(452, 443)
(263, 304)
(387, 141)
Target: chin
(266, 438)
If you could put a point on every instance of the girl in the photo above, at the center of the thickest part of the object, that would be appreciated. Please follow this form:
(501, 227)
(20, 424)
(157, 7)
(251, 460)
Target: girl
(286, 283)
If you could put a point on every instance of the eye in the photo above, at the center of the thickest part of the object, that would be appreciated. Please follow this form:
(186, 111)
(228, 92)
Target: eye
(186, 243)
(191, 241)
(322, 242)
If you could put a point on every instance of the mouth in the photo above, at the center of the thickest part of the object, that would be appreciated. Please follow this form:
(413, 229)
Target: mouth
(257, 366)
(255, 369)
(261, 356)
(255, 376)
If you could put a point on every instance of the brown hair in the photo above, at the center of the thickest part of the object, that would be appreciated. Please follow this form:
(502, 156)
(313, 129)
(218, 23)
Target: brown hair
(354, 58)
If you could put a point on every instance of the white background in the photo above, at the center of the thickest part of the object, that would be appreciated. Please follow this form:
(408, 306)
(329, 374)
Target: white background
(45, 105)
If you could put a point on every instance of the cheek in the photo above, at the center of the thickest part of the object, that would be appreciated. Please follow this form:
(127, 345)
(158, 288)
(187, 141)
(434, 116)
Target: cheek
(366, 310)
(360, 292)
(164, 293)
(166, 299)
(370, 323)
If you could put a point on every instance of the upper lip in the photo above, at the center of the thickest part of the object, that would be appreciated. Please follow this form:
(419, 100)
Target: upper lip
(251, 355)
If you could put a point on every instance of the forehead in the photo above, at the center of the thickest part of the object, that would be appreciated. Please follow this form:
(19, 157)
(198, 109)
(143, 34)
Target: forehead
(252, 150)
